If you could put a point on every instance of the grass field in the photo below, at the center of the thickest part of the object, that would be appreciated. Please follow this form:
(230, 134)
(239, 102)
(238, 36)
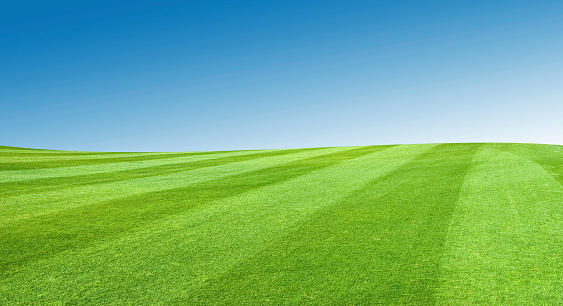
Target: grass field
(408, 224)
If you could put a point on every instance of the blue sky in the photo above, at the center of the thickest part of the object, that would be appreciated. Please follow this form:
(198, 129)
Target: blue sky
(221, 75)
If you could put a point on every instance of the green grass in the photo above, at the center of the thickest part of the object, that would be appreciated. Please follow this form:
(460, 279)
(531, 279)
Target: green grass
(425, 224)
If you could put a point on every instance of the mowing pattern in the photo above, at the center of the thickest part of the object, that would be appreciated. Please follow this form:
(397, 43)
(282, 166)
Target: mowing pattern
(408, 224)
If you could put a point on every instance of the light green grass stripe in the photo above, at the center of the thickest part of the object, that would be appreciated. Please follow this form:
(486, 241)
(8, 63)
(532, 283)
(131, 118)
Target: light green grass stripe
(504, 243)
(550, 157)
(119, 165)
(35, 157)
(67, 160)
(29, 205)
(26, 150)
(41, 185)
(47, 163)
(177, 254)
(35, 174)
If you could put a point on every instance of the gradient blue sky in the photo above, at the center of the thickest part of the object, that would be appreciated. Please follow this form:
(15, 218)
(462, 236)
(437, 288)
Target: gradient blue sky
(220, 75)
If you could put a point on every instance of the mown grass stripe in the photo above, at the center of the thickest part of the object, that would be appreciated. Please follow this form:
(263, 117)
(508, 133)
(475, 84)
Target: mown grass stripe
(19, 149)
(311, 238)
(46, 153)
(16, 208)
(37, 174)
(30, 186)
(9, 156)
(504, 244)
(57, 163)
(380, 245)
(53, 233)
(174, 255)
(548, 157)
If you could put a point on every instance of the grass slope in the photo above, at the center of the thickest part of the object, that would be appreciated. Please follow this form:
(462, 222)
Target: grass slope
(408, 224)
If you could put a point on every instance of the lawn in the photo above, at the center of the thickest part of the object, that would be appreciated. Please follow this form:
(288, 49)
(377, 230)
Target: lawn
(400, 224)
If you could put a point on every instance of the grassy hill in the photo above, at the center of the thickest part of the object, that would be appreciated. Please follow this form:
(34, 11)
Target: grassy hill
(407, 224)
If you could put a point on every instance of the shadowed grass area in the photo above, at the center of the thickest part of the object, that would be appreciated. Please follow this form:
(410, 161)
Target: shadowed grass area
(411, 224)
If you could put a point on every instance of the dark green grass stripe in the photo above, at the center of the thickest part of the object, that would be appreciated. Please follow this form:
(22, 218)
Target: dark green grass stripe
(49, 234)
(40, 185)
(53, 162)
(379, 246)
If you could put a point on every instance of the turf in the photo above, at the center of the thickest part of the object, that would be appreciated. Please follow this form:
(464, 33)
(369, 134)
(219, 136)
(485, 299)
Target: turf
(405, 224)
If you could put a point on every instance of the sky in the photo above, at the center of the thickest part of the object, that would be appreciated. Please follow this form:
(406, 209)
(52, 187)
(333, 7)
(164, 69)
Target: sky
(229, 75)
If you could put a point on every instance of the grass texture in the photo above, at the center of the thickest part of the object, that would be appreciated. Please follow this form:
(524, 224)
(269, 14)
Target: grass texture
(447, 224)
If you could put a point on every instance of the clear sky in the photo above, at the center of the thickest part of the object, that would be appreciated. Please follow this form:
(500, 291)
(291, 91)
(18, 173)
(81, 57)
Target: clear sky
(220, 75)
